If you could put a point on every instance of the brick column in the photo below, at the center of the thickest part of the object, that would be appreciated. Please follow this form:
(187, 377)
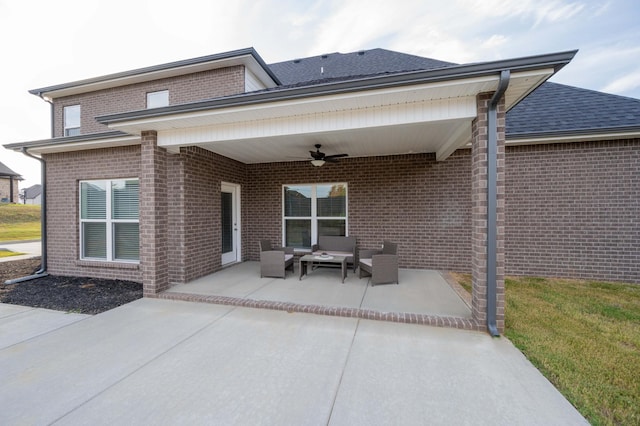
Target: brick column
(153, 215)
(479, 213)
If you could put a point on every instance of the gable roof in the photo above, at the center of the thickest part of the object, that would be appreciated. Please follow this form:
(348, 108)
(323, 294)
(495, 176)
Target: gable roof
(557, 108)
(352, 65)
(6, 171)
(248, 57)
(33, 191)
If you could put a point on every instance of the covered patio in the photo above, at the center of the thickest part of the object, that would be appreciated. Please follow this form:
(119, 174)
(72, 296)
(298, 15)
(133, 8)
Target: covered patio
(425, 168)
(423, 296)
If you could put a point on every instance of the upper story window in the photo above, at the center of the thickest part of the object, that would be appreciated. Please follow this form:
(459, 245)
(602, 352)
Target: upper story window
(71, 120)
(157, 99)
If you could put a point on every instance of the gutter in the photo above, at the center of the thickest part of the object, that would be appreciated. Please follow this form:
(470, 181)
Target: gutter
(492, 202)
(42, 272)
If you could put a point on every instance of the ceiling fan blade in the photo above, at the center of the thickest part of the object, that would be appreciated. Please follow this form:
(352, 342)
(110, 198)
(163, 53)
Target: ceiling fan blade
(331, 157)
(316, 155)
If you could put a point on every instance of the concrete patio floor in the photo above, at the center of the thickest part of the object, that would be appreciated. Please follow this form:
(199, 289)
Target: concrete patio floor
(159, 362)
(420, 292)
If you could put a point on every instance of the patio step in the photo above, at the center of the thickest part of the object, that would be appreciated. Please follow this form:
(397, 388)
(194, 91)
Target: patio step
(399, 317)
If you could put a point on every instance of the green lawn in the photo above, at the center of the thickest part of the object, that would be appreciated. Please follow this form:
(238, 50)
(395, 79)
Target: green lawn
(7, 253)
(584, 336)
(19, 222)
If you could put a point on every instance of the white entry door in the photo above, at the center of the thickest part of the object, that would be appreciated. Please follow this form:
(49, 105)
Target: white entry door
(230, 219)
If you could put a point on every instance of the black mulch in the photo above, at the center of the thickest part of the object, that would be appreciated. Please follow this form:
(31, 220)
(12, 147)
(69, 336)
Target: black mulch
(70, 294)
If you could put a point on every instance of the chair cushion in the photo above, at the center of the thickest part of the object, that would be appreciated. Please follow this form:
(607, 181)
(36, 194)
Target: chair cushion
(367, 262)
(333, 253)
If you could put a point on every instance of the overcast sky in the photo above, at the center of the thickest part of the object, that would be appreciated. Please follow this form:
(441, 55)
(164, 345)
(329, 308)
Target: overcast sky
(45, 42)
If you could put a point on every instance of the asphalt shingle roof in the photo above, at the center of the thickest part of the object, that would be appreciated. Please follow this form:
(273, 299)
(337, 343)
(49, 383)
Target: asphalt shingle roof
(554, 107)
(33, 191)
(5, 171)
(338, 66)
(550, 108)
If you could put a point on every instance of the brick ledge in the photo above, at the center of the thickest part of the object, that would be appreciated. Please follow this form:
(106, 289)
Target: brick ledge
(400, 317)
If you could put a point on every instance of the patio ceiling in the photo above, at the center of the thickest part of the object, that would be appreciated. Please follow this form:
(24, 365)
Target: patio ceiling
(432, 117)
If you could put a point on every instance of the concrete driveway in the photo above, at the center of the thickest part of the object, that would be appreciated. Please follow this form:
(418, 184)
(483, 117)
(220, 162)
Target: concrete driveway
(170, 362)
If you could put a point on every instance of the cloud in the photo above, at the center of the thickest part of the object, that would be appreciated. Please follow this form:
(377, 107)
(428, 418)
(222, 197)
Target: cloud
(555, 11)
(624, 83)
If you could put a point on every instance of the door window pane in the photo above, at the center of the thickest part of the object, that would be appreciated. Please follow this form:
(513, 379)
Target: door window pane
(227, 219)
(297, 201)
(298, 233)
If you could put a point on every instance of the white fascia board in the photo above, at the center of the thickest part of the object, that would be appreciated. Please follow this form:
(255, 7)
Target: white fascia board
(81, 146)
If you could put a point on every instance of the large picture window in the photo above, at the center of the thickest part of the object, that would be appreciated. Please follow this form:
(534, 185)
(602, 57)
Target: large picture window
(109, 220)
(313, 210)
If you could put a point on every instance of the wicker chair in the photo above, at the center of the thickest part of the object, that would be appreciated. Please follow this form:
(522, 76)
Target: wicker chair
(380, 265)
(274, 261)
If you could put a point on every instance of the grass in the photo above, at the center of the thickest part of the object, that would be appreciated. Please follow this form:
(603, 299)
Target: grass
(19, 222)
(8, 253)
(584, 336)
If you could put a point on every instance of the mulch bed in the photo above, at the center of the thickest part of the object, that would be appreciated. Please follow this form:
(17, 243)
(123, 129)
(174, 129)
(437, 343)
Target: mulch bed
(70, 294)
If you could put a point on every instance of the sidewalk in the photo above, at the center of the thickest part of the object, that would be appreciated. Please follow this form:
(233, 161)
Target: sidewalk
(30, 249)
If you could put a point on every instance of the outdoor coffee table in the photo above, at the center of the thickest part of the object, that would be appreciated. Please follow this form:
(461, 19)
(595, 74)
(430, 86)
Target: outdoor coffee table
(323, 260)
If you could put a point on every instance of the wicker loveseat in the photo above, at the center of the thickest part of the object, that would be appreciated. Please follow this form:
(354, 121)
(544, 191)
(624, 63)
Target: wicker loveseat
(338, 246)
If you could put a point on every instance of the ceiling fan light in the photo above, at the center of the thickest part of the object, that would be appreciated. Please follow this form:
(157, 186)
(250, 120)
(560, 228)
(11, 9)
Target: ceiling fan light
(317, 163)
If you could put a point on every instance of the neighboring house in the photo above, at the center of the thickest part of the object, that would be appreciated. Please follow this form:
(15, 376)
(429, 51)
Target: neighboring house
(482, 168)
(32, 194)
(9, 185)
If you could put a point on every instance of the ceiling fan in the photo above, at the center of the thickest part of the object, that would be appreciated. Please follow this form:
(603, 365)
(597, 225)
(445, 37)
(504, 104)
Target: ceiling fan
(319, 158)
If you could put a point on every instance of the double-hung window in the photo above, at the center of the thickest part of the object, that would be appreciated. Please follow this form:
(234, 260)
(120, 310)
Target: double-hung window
(313, 210)
(71, 120)
(109, 220)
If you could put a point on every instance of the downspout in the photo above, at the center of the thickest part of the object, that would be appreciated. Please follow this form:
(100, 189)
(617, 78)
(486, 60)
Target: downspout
(492, 202)
(42, 272)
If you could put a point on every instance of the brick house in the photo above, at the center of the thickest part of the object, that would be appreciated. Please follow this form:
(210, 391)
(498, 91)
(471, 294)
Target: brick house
(165, 174)
(8, 184)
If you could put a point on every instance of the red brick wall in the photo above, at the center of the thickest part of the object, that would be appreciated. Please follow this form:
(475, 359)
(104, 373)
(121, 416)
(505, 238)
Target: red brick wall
(64, 171)
(421, 204)
(182, 89)
(154, 215)
(573, 210)
(200, 246)
(5, 189)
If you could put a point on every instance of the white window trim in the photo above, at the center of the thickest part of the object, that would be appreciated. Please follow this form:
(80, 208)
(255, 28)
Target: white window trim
(314, 204)
(109, 221)
(65, 127)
